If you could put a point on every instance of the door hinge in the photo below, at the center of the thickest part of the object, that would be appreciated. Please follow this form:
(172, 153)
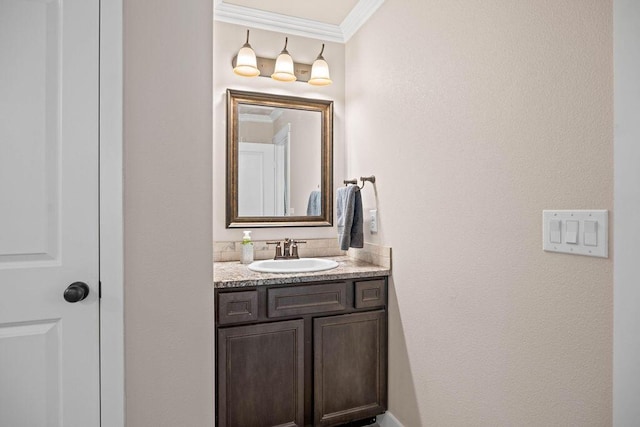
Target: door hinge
(99, 289)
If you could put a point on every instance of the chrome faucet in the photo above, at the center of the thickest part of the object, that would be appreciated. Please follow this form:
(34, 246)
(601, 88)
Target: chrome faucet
(288, 250)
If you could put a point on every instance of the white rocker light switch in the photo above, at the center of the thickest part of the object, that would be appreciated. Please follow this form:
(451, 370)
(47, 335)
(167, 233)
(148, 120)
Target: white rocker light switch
(555, 235)
(591, 233)
(572, 232)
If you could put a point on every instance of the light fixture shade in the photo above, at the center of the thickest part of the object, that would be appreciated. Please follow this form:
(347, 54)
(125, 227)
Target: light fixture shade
(320, 71)
(284, 66)
(246, 64)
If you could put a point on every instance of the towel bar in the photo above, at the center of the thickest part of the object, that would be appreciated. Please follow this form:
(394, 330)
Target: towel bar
(364, 179)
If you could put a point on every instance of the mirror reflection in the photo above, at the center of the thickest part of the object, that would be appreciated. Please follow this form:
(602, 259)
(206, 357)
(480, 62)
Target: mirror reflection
(279, 160)
(276, 177)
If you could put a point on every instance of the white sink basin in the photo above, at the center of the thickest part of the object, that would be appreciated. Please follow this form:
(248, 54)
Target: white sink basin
(302, 265)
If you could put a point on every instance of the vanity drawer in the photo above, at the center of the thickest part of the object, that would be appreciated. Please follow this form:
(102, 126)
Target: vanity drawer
(370, 293)
(237, 307)
(298, 300)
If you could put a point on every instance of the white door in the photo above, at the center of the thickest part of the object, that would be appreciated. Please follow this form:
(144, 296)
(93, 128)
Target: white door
(49, 348)
(256, 179)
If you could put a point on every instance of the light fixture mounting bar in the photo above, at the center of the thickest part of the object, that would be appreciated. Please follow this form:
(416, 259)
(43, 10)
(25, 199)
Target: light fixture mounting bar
(266, 67)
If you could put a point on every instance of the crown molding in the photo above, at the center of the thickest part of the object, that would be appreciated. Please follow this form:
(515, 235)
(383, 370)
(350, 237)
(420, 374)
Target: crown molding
(361, 12)
(261, 118)
(254, 118)
(263, 20)
(254, 18)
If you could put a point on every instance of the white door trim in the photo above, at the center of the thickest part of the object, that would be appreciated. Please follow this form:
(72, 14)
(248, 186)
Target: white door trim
(111, 216)
(626, 196)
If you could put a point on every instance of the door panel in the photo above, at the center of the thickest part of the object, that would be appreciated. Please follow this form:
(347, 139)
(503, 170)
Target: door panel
(261, 375)
(49, 352)
(350, 360)
(29, 356)
(30, 130)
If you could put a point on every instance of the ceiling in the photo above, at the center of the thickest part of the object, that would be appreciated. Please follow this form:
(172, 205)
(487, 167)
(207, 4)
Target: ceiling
(328, 20)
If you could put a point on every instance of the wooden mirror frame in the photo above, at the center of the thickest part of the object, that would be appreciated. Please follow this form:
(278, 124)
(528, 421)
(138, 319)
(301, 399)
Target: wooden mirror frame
(325, 107)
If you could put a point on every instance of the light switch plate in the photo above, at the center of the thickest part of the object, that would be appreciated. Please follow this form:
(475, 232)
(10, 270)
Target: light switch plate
(549, 234)
(373, 221)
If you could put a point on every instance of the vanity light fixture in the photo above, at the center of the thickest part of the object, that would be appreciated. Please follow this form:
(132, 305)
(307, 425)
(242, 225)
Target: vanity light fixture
(320, 71)
(284, 66)
(246, 63)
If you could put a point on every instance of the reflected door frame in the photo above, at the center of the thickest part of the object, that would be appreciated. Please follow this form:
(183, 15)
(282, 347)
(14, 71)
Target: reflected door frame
(282, 159)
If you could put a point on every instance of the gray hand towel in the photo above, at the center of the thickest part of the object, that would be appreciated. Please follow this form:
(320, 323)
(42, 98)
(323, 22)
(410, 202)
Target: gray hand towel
(314, 204)
(350, 221)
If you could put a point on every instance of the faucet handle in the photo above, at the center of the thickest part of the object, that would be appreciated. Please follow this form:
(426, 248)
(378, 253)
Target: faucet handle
(278, 249)
(294, 248)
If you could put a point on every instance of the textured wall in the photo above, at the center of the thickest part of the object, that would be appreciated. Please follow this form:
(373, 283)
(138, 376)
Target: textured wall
(475, 116)
(228, 38)
(167, 185)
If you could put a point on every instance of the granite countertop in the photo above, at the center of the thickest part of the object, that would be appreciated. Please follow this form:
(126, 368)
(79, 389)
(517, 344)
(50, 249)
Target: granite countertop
(232, 274)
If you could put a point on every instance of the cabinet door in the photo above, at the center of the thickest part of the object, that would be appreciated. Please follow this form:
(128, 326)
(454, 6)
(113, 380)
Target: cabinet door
(350, 367)
(261, 375)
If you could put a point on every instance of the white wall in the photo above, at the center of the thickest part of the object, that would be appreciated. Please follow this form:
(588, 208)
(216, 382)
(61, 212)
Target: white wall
(228, 38)
(474, 117)
(167, 213)
(626, 350)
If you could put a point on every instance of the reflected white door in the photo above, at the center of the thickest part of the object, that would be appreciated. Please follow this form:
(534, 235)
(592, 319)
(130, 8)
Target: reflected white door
(49, 348)
(256, 179)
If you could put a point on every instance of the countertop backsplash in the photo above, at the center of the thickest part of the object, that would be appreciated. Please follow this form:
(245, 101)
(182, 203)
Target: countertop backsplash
(230, 251)
(374, 254)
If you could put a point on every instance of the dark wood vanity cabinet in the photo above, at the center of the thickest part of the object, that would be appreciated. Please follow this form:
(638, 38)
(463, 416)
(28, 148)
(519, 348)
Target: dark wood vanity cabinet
(349, 367)
(312, 354)
(262, 368)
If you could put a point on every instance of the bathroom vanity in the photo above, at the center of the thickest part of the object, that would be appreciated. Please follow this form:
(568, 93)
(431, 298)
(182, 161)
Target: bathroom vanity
(306, 349)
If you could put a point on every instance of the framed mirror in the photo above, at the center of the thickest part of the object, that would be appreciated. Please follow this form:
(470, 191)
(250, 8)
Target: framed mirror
(279, 161)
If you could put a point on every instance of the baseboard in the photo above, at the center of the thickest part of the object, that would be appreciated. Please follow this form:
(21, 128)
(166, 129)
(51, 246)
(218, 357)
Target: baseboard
(388, 420)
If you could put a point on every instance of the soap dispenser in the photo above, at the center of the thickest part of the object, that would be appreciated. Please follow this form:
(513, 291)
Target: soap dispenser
(246, 256)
